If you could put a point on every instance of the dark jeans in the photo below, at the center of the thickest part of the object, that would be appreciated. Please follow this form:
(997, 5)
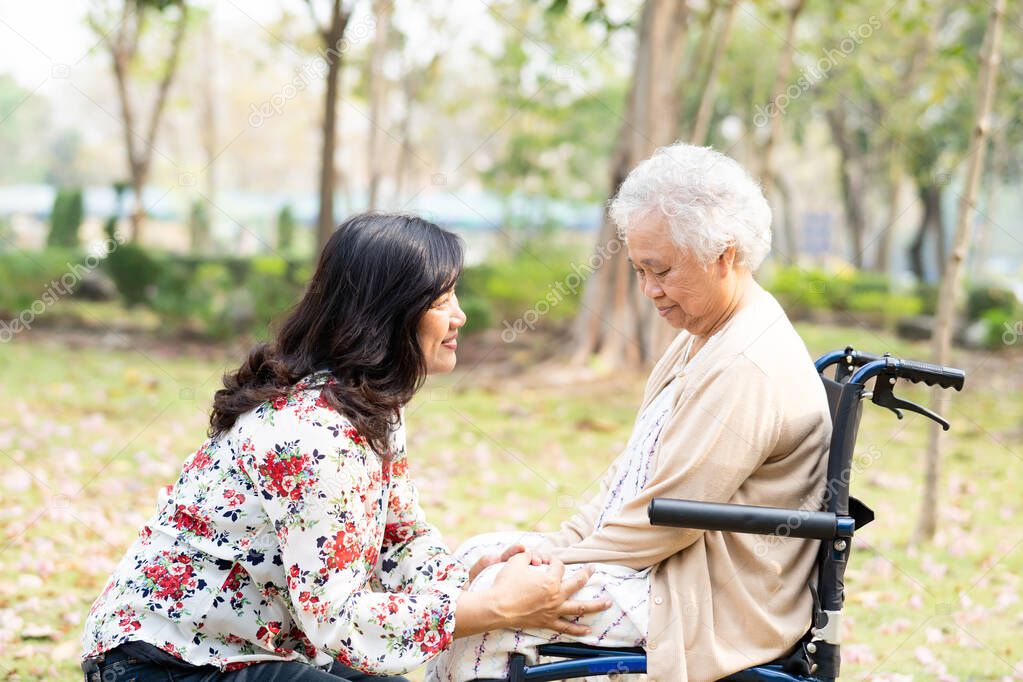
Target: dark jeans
(141, 662)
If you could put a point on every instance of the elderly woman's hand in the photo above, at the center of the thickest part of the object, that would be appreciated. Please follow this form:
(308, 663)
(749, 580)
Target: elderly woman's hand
(530, 596)
(537, 559)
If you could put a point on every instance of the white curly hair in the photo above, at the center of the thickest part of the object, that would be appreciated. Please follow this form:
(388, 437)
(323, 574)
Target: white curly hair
(709, 200)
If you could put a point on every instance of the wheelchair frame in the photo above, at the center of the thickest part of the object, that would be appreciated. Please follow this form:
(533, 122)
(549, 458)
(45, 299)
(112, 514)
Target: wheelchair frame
(817, 657)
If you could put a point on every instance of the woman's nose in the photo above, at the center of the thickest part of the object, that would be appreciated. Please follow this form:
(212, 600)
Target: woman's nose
(459, 318)
(651, 289)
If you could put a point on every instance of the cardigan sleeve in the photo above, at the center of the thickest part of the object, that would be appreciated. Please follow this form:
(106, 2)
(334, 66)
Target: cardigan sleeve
(317, 481)
(723, 426)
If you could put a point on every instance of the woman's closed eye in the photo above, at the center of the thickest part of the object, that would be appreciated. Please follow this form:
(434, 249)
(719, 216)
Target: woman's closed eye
(657, 275)
(443, 300)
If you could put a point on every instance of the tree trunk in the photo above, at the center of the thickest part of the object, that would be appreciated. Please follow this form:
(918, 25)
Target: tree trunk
(948, 292)
(122, 43)
(704, 112)
(382, 10)
(781, 78)
(331, 38)
(612, 322)
(931, 221)
(412, 85)
(851, 179)
(697, 62)
(202, 241)
(999, 165)
(884, 239)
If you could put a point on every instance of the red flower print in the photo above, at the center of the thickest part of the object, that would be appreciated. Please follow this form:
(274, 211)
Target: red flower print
(190, 520)
(234, 498)
(128, 622)
(340, 551)
(234, 579)
(399, 467)
(200, 460)
(354, 435)
(288, 471)
(433, 641)
(171, 577)
(395, 533)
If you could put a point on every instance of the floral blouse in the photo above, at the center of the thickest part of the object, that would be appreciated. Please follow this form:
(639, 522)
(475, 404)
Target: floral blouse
(286, 538)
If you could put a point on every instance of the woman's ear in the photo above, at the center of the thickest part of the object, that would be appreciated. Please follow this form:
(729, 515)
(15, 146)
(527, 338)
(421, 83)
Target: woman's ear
(726, 260)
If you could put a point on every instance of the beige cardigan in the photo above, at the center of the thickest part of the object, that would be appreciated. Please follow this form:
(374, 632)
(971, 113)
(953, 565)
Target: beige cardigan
(751, 426)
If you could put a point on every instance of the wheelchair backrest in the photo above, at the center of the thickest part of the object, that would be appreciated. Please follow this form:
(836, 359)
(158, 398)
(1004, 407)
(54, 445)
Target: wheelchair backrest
(846, 406)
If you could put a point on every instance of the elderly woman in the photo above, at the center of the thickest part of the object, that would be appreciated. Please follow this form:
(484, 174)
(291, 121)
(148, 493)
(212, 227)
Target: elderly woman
(733, 412)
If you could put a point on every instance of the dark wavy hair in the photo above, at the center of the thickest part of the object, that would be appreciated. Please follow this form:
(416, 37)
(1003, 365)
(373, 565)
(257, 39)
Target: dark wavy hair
(376, 277)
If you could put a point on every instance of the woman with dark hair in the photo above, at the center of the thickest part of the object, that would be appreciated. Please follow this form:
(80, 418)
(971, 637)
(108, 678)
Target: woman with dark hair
(293, 546)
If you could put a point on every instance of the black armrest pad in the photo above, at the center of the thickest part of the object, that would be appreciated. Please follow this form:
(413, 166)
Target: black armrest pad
(740, 518)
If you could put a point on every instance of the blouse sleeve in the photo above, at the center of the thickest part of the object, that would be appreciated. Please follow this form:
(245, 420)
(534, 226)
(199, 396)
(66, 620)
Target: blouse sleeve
(317, 480)
(720, 433)
(414, 557)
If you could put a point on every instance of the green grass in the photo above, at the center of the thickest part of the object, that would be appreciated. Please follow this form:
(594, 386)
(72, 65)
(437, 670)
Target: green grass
(88, 435)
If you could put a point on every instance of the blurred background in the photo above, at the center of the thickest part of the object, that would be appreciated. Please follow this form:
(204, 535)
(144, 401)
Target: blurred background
(171, 168)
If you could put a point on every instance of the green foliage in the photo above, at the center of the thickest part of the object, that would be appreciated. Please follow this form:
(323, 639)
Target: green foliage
(559, 140)
(982, 299)
(134, 271)
(1002, 328)
(6, 234)
(217, 297)
(285, 229)
(66, 218)
(999, 311)
(927, 292)
(802, 291)
(26, 276)
(199, 225)
(545, 282)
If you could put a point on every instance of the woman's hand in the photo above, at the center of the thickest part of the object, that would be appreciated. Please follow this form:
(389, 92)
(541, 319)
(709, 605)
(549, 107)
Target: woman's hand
(537, 559)
(529, 596)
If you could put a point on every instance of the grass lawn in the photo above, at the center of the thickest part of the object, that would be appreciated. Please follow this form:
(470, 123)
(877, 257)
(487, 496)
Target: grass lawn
(88, 434)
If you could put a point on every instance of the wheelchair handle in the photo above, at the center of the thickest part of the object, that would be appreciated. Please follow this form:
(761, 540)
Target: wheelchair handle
(871, 365)
(741, 518)
(912, 370)
(945, 377)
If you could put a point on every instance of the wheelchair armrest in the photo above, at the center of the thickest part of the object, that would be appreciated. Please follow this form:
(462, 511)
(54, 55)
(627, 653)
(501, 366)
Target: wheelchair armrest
(741, 518)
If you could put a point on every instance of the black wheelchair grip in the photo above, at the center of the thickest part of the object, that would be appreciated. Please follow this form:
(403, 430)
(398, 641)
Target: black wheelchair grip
(740, 518)
(946, 377)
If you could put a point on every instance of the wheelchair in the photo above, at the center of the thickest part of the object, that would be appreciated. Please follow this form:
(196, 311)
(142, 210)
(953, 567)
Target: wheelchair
(816, 658)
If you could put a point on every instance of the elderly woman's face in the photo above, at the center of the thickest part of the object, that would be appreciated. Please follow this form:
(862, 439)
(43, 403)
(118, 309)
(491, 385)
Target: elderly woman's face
(687, 294)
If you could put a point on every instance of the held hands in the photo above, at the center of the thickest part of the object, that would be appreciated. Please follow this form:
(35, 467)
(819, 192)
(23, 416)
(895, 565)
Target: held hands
(531, 593)
(489, 560)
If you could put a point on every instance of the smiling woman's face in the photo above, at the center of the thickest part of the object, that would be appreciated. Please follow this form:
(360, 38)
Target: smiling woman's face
(687, 294)
(438, 333)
